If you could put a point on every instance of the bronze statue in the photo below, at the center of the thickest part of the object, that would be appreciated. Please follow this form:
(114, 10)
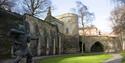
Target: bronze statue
(20, 43)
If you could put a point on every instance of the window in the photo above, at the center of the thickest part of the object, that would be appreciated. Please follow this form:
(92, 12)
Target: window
(67, 30)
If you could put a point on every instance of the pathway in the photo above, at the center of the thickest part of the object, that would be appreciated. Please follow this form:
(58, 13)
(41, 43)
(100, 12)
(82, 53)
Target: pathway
(115, 59)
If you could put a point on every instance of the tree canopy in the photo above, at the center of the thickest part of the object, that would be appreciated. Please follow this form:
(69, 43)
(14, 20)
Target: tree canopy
(85, 16)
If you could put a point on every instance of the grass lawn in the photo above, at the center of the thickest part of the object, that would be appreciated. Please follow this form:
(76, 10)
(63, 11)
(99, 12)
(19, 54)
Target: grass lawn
(123, 59)
(77, 58)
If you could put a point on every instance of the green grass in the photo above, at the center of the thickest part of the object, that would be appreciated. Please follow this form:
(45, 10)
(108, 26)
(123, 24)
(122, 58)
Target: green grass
(77, 58)
(123, 55)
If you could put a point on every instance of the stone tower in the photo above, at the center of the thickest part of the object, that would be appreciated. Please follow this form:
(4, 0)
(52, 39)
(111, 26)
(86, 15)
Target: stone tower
(70, 31)
(70, 23)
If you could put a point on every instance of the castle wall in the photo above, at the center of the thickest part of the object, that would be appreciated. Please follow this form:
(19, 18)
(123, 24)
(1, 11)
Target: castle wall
(110, 44)
(71, 42)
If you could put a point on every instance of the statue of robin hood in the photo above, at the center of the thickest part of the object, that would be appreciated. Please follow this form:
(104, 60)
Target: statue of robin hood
(20, 38)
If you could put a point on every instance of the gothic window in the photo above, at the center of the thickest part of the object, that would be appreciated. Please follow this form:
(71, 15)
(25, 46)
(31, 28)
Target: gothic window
(67, 30)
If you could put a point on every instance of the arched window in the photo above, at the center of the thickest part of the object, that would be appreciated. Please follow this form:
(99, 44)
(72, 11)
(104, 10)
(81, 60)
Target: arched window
(67, 30)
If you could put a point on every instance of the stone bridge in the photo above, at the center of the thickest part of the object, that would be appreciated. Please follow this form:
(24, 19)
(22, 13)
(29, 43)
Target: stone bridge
(99, 43)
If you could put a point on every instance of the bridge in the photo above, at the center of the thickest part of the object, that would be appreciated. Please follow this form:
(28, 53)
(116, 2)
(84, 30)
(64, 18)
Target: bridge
(92, 40)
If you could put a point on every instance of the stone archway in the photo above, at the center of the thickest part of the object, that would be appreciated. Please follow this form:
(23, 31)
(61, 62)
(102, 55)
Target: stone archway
(97, 47)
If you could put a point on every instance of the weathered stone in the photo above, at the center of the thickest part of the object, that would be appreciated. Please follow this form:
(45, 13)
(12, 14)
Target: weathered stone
(70, 31)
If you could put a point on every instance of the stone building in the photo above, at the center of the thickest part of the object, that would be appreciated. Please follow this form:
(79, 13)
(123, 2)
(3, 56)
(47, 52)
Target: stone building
(95, 41)
(46, 34)
(70, 30)
(60, 25)
(50, 36)
(55, 35)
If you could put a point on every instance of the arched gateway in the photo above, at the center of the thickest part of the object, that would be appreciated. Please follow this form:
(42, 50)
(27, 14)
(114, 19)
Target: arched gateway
(97, 47)
(96, 41)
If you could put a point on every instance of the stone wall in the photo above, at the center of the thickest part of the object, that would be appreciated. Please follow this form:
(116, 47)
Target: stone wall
(109, 43)
(8, 20)
(71, 44)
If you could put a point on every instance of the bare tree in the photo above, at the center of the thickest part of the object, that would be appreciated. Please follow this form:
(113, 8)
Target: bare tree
(118, 16)
(7, 4)
(84, 16)
(118, 20)
(36, 7)
(118, 3)
(83, 13)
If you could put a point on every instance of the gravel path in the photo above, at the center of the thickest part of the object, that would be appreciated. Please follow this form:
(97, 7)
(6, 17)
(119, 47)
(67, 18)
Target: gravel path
(115, 59)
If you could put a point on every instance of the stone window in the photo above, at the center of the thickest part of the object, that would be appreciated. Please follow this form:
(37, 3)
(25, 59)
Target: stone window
(67, 30)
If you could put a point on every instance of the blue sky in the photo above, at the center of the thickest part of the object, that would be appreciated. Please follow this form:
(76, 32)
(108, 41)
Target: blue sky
(101, 8)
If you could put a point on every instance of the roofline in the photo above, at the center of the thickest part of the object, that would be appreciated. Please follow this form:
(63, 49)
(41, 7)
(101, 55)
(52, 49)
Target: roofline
(65, 15)
(54, 18)
(40, 19)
